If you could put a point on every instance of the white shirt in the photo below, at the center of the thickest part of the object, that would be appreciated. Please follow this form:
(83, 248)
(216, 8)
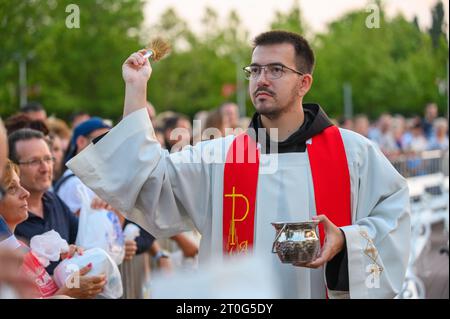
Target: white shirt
(70, 194)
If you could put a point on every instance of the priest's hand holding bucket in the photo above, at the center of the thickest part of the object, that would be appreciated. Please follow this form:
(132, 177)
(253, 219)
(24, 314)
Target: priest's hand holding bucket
(299, 244)
(333, 244)
(296, 242)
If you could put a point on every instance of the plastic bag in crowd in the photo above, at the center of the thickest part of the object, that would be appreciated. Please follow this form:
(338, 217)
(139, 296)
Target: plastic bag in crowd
(43, 249)
(99, 228)
(48, 247)
(102, 263)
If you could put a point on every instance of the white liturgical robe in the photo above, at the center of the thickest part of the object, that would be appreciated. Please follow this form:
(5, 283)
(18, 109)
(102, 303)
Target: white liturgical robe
(168, 193)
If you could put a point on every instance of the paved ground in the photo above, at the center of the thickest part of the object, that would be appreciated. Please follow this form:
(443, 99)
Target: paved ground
(432, 266)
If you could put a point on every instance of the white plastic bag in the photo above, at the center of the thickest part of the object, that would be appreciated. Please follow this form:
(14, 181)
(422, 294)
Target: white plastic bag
(99, 228)
(48, 247)
(102, 263)
(131, 231)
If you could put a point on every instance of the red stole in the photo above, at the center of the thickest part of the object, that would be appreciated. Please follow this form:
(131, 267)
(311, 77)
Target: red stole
(331, 181)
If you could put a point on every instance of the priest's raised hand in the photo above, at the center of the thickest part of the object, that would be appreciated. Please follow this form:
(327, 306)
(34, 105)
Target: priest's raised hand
(136, 72)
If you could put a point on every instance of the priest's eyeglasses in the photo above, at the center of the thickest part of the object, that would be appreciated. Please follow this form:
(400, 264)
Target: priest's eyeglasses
(273, 71)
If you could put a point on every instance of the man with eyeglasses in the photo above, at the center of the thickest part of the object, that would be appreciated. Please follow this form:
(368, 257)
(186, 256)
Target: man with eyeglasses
(301, 167)
(29, 149)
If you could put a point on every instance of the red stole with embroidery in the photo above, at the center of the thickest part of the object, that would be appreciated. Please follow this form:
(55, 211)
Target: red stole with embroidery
(331, 182)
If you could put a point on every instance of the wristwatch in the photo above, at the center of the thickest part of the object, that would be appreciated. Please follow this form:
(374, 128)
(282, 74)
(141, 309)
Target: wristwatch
(161, 254)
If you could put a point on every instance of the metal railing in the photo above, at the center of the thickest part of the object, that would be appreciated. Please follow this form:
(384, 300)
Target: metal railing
(429, 206)
(424, 170)
(135, 274)
(429, 162)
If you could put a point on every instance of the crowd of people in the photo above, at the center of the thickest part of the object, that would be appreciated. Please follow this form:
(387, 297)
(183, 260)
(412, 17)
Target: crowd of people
(47, 195)
(41, 194)
(397, 135)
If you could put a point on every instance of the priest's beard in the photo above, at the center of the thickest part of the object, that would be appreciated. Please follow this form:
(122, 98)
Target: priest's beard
(277, 109)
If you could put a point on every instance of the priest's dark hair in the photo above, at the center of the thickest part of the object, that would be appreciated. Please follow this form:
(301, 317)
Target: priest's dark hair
(304, 54)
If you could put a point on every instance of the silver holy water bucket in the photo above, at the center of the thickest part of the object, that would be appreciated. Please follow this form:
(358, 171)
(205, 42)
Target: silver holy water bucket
(296, 242)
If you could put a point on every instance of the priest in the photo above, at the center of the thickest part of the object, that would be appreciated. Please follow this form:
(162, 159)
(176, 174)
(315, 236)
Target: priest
(291, 165)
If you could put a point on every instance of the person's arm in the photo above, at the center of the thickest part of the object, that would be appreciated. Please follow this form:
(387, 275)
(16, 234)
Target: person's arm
(128, 169)
(144, 241)
(189, 248)
(130, 249)
(336, 273)
(161, 257)
(136, 72)
(378, 243)
(333, 254)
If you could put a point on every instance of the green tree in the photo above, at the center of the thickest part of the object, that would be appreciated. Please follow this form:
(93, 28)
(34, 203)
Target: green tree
(391, 68)
(72, 68)
(437, 26)
(292, 20)
(396, 67)
(192, 77)
(24, 25)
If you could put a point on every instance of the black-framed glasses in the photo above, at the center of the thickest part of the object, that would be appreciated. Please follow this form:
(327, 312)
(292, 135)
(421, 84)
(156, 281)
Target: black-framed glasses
(273, 70)
(38, 161)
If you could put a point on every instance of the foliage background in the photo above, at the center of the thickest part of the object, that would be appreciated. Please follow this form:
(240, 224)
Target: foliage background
(396, 68)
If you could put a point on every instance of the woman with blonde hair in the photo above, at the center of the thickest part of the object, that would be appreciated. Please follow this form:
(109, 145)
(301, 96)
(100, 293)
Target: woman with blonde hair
(14, 210)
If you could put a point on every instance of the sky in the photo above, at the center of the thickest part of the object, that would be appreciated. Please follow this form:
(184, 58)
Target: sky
(256, 15)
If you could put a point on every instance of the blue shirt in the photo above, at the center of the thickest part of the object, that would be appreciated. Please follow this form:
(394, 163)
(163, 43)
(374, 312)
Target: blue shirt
(4, 230)
(57, 216)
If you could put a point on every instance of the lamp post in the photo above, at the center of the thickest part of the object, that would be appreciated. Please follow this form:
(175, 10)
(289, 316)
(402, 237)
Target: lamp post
(23, 99)
(241, 92)
(348, 103)
(22, 60)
